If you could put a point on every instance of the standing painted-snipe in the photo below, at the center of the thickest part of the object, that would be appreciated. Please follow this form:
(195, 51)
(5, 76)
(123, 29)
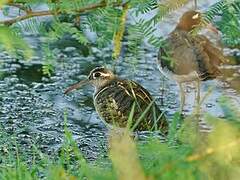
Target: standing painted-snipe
(187, 57)
(114, 99)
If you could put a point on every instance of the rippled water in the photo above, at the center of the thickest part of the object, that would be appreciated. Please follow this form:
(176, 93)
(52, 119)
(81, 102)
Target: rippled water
(32, 106)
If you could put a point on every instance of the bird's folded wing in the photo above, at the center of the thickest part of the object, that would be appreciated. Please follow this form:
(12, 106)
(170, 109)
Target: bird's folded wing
(215, 55)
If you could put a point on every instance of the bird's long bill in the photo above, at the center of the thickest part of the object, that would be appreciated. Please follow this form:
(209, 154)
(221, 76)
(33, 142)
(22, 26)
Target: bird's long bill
(76, 86)
(209, 26)
(212, 28)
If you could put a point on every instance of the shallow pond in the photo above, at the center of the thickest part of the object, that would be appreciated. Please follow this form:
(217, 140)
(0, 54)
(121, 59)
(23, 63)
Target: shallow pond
(32, 106)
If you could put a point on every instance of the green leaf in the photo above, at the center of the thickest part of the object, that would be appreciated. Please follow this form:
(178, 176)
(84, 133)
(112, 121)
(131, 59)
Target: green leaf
(12, 42)
(3, 2)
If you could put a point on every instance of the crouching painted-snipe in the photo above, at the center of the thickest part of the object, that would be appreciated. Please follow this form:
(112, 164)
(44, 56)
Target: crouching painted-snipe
(115, 98)
(189, 57)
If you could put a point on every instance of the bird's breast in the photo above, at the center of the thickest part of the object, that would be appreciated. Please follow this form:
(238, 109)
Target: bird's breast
(112, 104)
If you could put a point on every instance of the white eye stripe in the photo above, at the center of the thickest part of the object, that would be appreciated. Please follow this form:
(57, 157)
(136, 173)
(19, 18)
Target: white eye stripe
(195, 16)
(105, 74)
(101, 74)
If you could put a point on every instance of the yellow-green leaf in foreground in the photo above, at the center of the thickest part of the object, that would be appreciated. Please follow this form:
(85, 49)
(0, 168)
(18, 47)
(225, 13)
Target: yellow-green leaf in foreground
(123, 154)
(117, 39)
(11, 42)
(2, 2)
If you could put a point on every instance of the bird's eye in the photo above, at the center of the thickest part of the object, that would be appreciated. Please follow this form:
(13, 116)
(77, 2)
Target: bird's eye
(97, 74)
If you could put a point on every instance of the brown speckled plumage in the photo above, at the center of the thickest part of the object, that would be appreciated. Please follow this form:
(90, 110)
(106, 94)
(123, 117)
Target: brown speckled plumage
(186, 57)
(185, 53)
(114, 99)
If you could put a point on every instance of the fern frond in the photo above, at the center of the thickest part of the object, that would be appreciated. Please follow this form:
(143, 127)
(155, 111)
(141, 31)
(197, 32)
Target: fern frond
(164, 9)
(143, 6)
(33, 25)
(139, 32)
(236, 7)
(71, 7)
(59, 29)
(229, 23)
(214, 10)
(47, 69)
(220, 7)
(48, 66)
(105, 22)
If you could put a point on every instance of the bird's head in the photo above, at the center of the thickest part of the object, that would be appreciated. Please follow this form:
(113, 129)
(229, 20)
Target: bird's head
(98, 77)
(189, 20)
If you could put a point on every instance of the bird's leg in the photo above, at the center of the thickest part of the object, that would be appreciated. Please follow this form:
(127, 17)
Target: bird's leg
(182, 97)
(197, 100)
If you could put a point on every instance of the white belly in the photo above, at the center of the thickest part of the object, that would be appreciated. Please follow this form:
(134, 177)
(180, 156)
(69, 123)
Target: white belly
(193, 76)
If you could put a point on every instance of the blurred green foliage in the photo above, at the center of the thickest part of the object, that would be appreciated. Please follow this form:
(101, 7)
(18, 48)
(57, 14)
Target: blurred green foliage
(193, 155)
(13, 43)
(228, 22)
(107, 19)
(230, 25)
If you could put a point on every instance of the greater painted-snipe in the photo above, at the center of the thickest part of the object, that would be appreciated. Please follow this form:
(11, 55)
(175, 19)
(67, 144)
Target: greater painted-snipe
(187, 57)
(114, 99)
